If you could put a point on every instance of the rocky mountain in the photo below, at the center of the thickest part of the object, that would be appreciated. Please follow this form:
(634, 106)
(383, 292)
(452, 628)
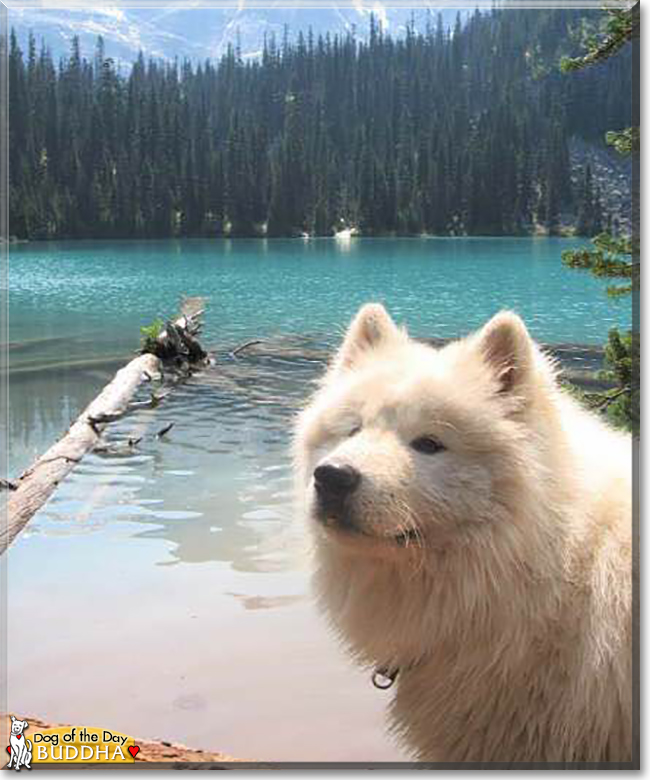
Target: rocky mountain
(198, 33)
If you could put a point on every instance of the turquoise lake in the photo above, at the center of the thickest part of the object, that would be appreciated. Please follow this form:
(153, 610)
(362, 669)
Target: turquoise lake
(440, 287)
(182, 560)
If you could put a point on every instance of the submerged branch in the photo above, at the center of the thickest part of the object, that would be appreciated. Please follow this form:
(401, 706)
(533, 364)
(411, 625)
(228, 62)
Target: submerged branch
(244, 346)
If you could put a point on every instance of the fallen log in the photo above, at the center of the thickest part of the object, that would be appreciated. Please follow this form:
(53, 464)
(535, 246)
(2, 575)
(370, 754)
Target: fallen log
(33, 488)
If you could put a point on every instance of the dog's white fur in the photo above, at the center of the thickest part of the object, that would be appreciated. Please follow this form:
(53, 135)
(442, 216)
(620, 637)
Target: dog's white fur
(507, 605)
(21, 748)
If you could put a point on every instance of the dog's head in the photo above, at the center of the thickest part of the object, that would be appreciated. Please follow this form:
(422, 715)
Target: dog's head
(407, 447)
(18, 726)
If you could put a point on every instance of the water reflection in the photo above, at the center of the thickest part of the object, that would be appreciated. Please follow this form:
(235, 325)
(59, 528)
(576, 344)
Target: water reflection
(218, 486)
(44, 398)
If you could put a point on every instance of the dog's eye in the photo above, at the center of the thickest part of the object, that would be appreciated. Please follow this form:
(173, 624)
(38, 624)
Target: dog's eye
(426, 445)
(354, 431)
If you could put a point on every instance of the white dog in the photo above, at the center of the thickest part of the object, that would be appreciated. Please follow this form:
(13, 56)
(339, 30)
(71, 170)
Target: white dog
(21, 748)
(473, 533)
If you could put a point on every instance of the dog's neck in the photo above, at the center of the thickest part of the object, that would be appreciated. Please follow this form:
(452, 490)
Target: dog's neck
(397, 617)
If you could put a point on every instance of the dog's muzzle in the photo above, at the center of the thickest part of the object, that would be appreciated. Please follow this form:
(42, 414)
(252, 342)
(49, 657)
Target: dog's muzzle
(335, 484)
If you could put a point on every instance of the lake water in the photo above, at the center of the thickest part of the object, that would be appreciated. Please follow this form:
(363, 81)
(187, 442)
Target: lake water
(164, 592)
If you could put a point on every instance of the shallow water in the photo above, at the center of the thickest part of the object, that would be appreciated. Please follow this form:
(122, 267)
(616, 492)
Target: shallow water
(163, 591)
(167, 588)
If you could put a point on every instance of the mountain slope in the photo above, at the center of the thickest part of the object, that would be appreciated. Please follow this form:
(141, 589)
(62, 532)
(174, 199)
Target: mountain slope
(198, 33)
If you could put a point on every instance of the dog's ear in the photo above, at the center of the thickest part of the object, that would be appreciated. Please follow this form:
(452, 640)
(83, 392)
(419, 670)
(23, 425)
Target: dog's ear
(25, 724)
(13, 719)
(372, 327)
(508, 349)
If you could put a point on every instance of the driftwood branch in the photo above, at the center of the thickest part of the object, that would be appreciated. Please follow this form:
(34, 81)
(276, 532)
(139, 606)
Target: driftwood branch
(242, 347)
(33, 488)
(165, 430)
(178, 339)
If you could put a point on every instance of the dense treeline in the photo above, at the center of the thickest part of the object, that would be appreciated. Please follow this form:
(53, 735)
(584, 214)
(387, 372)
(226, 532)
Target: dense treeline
(445, 132)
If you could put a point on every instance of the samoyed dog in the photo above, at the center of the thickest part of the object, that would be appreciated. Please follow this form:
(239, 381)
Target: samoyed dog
(472, 528)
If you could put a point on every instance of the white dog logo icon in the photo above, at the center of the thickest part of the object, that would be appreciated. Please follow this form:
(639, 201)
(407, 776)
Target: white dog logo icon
(21, 748)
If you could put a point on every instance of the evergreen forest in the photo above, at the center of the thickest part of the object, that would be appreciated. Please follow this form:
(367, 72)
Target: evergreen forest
(461, 131)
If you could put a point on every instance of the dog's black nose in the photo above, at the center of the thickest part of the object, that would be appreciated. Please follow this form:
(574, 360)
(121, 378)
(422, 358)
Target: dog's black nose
(336, 481)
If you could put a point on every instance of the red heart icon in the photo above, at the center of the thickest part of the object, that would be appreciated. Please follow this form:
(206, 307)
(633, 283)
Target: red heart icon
(19, 736)
(9, 749)
(134, 750)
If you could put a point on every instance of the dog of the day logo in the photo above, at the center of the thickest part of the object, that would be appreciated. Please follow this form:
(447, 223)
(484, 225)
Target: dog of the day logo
(67, 745)
(20, 749)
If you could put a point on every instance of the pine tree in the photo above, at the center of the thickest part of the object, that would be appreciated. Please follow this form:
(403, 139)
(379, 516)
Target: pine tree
(615, 257)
